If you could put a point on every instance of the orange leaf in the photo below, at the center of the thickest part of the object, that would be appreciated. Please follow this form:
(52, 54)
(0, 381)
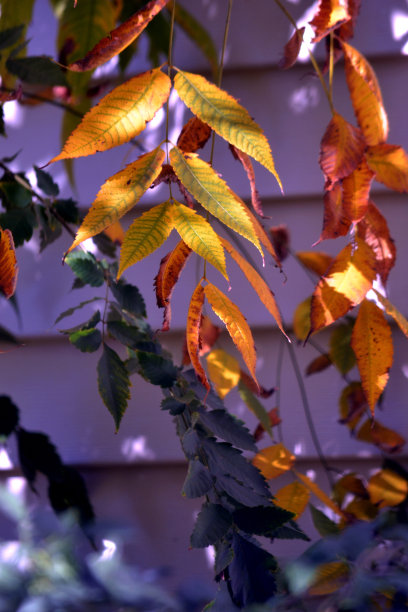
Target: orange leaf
(341, 149)
(119, 38)
(371, 341)
(236, 325)
(274, 420)
(274, 461)
(390, 164)
(249, 169)
(293, 497)
(365, 96)
(373, 229)
(320, 363)
(316, 262)
(260, 391)
(356, 190)
(263, 237)
(387, 440)
(345, 285)
(330, 15)
(353, 404)
(291, 49)
(8, 264)
(346, 31)
(170, 269)
(194, 135)
(115, 232)
(335, 222)
(208, 335)
(387, 488)
(316, 490)
(192, 333)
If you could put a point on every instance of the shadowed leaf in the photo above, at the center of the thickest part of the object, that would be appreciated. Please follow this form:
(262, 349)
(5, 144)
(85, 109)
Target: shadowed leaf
(192, 333)
(8, 264)
(322, 523)
(227, 427)
(37, 453)
(291, 49)
(113, 384)
(9, 416)
(193, 136)
(330, 15)
(198, 480)
(86, 268)
(224, 371)
(373, 229)
(261, 520)
(353, 404)
(157, 369)
(212, 524)
(255, 407)
(301, 319)
(356, 191)
(37, 70)
(341, 353)
(390, 164)
(86, 340)
(335, 222)
(329, 578)
(274, 419)
(249, 169)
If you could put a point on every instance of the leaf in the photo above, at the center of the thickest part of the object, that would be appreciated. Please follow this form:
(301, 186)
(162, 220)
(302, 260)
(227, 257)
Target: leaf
(373, 229)
(329, 578)
(146, 234)
(91, 322)
(261, 520)
(128, 335)
(387, 440)
(242, 494)
(291, 49)
(349, 483)
(12, 16)
(115, 233)
(224, 371)
(264, 293)
(344, 285)
(249, 169)
(119, 38)
(37, 453)
(227, 427)
(335, 222)
(69, 492)
(209, 334)
(235, 323)
(10, 36)
(119, 194)
(365, 96)
(393, 312)
(356, 192)
(322, 523)
(250, 383)
(387, 488)
(194, 135)
(301, 319)
(21, 223)
(293, 497)
(70, 311)
(274, 460)
(119, 116)
(353, 404)
(37, 70)
(341, 353)
(314, 261)
(192, 333)
(157, 369)
(390, 164)
(213, 193)
(198, 480)
(198, 234)
(212, 524)
(330, 15)
(320, 363)
(86, 340)
(9, 416)
(129, 298)
(341, 149)
(264, 239)
(362, 509)
(85, 267)
(46, 183)
(225, 116)
(8, 264)
(321, 495)
(113, 383)
(274, 420)
(256, 407)
(372, 343)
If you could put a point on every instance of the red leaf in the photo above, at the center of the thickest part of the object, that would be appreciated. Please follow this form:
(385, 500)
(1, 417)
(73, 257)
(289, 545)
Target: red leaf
(192, 333)
(335, 222)
(331, 14)
(373, 229)
(356, 190)
(320, 363)
(194, 135)
(291, 49)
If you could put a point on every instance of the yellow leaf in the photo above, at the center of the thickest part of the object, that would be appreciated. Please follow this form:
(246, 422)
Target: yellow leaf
(119, 194)
(293, 497)
(198, 234)
(274, 460)
(344, 285)
(387, 488)
(225, 116)
(330, 15)
(393, 312)
(317, 262)
(365, 96)
(115, 232)
(329, 578)
(8, 264)
(390, 164)
(120, 116)
(213, 193)
(356, 191)
(224, 371)
(341, 149)
(192, 333)
(317, 491)
(146, 234)
(257, 282)
(235, 323)
(373, 229)
(371, 341)
(301, 319)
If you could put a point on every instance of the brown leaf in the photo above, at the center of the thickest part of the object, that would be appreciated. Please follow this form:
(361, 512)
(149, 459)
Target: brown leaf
(167, 175)
(390, 164)
(8, 264)
(331, 14)
(194, 135)
(249, 169)
(356, 190)
(353, 404)
(349, 483)
(335, 223)
(388, 440)
(252, 386)
(291, 49)
(209, 334)
(119, 38)
(346, 31)
(280, 240)
(314, 261)
(192, 333)
(373, 229)
(274, 419)
(320, 363)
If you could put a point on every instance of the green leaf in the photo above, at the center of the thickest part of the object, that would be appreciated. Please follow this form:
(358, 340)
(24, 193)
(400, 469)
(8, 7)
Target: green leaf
(198, 480)
(156, 369)
(129, 298)
(46, 183)
(113, 383)
(261, 520)
(341, 353)
(14, 195)
(229, 428)
(223, 557)
(212, 524)
(68, 210)
(235, 490)
(10, 36)
(173, 406)
(324, 525)
(126, 334)
(91, 322)
(86, 340)
(21, 222)
(37, 70)
(255, 406)
(291, 531)
(70, 311)
(86, 268)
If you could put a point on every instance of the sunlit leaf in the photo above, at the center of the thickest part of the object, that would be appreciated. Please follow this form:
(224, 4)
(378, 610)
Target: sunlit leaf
(8, 264)
(223, 370)
(113, 383)
(249, 169)
(356, 191)
(115, 233)
(341, 353)
(209, 334)
(213, 193)
(372, 343)
(291, 49)
(373, 229)
(119, 116)
(315, 261)
(146, 234)
(255, 407)
(366, 96)
(390, 164)
(301, 319)
(119, 38)
(198, 234)
(119, 194)
(293, 497)
(335, 222)
(319, 364)
(341, 149)
(319, 493)
(353, 404)
(329, 578)
(193, 136)
(274, 460)
(192, 333)
(393, 312)
(387, 488)
(344, 285)
(225, 116)
(387, 440)
(235, 323)
(330, 15)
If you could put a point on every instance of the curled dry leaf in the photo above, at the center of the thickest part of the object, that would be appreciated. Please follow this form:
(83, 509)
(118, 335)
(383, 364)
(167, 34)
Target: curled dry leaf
(356, 191)
(249, 169)
(192, 333)
(208, 333)
(250, 383)
(280, 241)
(390, 164)
(8, 264)
(388, 440)
(291, 49)
(194, 135)
(346, 30)
(335, 222)
(373, 229)
(330, 15)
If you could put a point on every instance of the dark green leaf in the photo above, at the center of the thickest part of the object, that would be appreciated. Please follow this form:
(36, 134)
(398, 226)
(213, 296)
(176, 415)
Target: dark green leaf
(173, 406)
(190, 442)
(9, 416)
(126, 334)
(85, 267)
(113, 383)
(6, 336)
(291, 531)
(341, 353)
(21, 222)
(46, 183)
(86, 340)
(212, 524)
(211, 398)
(37, 453)
(70, 311)
(50, 230)
(105, 245)
(323, 524)
(223, 557)
(229, 428)
(37, 70)
(129, 298)
(198, 480)
(235, 490)
(158, 32)
(92, 322)
(70, 493)
(14, 195)
(11, 36)
(68, 210)
(261, 520)
(156, 369)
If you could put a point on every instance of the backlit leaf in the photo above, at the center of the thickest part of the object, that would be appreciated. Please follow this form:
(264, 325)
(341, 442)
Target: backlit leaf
(346, 31)
(255, 407)
(320, 363)
(293, 497)
(330, 15)
(225, 116)
(223, 370)
(390, 164)
(198, 234)
(8, 264)
(341, 149)
(119, 38)
(113, 384)
(249, 169)
(119, 116)
(291, 49)
(209, 334)
(356, 191)
(373, 229)
(335, 222)
(213, 193)
(345, 284)
(366, 96)
(329, 578)
(119, 194)
(394, 313)
(315, 261)
(341, 353)
(264, 293)
(387, 488)
(301, 319)
(192, 333)
(321, 495)
(193, 136)
(387, 440)
(274, 461)
(146, 234)
(372, 343)
(235, 323)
